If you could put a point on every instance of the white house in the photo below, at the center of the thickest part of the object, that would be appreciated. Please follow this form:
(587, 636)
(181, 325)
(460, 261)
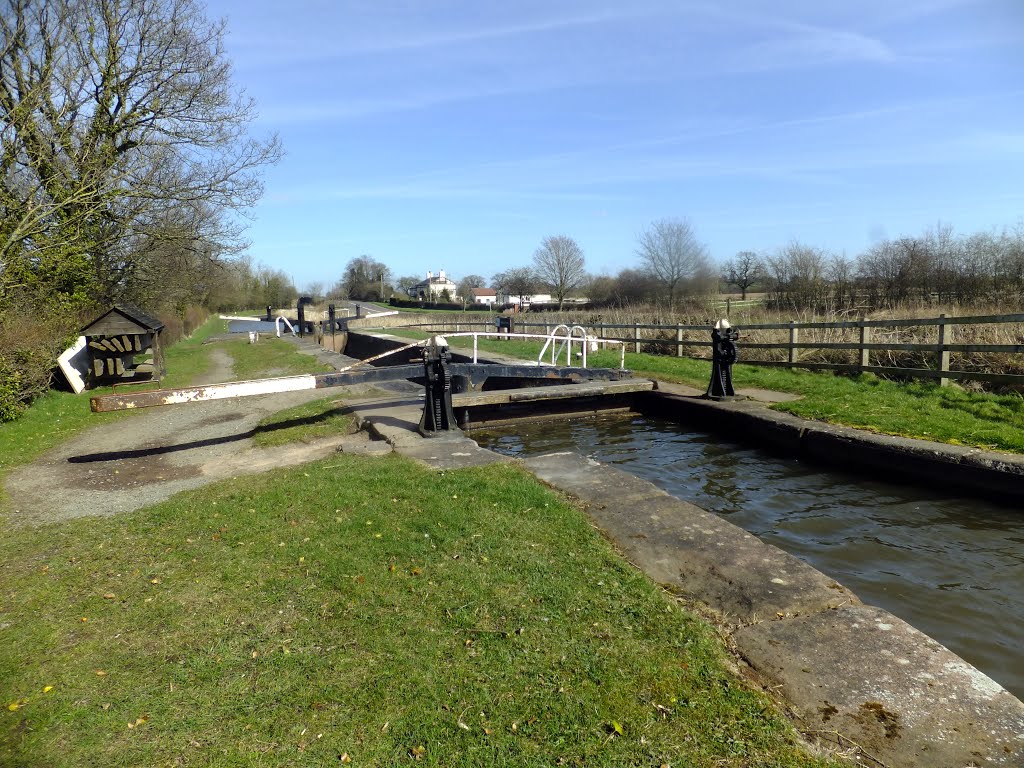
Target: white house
(433, 287)
(536, 298)
(483, 296)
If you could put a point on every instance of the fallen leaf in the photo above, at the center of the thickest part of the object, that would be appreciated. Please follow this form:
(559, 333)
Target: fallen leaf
(345, 758)
(84, 619)
(617, 727)
(417, 753)
(109, 596)
(154, 581)
(47, 688)
(100, 673)
(14, 706)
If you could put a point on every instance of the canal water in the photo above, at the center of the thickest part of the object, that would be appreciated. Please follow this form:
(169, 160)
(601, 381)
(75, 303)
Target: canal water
(952, 567)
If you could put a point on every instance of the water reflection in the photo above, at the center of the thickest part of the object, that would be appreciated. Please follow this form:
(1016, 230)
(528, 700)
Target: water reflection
(953, 567)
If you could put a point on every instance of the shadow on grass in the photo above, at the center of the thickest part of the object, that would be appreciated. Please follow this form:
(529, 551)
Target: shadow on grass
(139, 453)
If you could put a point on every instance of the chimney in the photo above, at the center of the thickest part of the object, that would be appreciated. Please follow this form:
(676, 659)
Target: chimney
(430, 275)
(441, 274)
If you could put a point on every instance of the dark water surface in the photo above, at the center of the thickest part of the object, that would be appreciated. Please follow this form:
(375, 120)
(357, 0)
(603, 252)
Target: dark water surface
(952, 567)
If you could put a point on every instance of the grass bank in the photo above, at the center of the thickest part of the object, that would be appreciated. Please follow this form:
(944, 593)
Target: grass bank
(920, 410)
(366, 611)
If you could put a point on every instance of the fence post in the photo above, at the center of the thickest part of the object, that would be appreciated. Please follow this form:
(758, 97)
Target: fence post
(865, 338)
(679, 340)
(945, 337)
(636, 336)
(794, 337)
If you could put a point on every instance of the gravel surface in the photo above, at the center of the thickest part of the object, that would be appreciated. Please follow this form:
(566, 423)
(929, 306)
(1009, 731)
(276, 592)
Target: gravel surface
(156, 453)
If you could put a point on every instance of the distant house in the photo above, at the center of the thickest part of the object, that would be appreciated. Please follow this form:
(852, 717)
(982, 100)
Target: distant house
(483, 296)
(536, 298)
(432, 288)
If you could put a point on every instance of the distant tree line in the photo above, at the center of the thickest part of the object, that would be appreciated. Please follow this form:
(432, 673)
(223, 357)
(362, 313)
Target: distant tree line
(936, 267)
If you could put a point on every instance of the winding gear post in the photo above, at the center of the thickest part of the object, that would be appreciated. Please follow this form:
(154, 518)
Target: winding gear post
(723, 355)
(437, 405)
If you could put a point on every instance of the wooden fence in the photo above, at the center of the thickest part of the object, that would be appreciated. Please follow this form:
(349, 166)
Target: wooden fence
(865, 343)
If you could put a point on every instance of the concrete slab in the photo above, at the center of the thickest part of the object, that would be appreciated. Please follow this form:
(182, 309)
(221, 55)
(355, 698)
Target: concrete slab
(860, 674)
(450, 452)
(595, 484)
(767, 395)
(680, 390)
(692, 550)
(397, 421)
(749, 393)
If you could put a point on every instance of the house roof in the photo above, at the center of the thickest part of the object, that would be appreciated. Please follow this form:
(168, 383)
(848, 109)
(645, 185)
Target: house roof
(434, 281)
(483, 292)
(128, 311)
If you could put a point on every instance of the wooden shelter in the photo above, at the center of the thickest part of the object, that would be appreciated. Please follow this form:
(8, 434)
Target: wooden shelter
(124, 345)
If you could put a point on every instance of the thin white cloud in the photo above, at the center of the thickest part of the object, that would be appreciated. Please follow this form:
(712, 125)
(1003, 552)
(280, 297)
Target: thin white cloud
(331, 43)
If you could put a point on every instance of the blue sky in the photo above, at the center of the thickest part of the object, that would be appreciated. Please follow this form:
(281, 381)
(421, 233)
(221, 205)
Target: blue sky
(457, 135)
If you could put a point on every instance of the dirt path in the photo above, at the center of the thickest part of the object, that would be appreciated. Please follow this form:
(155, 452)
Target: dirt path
(148, 457)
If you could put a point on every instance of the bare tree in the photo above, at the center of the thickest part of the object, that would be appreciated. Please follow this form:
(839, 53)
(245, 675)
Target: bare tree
(560, 265)
(518, 281)
(671, 252)
(469, 283)
(743, 271)
(123, 140)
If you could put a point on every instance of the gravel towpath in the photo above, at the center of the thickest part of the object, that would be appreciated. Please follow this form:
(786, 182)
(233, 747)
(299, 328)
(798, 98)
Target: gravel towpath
(147, 457)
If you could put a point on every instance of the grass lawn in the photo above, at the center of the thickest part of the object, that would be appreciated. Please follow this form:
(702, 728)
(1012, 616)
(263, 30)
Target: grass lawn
(922, 410)
(366, 611)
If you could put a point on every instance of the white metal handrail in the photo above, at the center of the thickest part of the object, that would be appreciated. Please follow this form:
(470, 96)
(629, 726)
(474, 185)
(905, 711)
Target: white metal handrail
(585, 340)
(566, 343)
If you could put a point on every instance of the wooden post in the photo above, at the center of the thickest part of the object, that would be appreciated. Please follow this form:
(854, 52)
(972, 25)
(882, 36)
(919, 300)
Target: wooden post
(679, 340)
(636, 336)
(865, 338)
(794, 337)
(945, 337)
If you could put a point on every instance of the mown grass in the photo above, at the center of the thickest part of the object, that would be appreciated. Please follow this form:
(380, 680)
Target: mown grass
(920, 410)
(270, 356)
(304, 423)
(363, 610)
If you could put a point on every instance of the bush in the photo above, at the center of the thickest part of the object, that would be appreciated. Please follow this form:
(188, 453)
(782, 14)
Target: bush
(33, 333)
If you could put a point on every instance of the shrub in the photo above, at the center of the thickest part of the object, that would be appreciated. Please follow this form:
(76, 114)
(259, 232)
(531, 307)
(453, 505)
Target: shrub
(33, 333)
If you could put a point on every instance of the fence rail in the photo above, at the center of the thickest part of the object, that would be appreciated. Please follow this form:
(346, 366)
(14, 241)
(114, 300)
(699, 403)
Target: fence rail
(697, 337)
